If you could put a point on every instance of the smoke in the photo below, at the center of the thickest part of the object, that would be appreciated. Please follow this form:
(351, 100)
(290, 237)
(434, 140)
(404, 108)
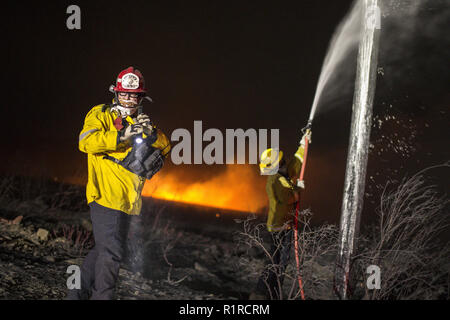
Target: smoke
(413, 47)
(414, 41)
(413, 74)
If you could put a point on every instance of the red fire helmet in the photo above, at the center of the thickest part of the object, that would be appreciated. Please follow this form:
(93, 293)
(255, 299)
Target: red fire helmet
(130, 80)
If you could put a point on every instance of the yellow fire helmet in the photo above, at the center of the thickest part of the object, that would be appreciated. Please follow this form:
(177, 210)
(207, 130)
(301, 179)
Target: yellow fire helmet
(270, 160)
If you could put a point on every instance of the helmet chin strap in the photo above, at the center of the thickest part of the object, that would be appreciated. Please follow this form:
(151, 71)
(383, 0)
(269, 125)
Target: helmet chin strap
(125, 111)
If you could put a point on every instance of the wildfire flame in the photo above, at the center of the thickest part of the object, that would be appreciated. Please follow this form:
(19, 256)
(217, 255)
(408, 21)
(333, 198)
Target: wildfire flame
(239, 187)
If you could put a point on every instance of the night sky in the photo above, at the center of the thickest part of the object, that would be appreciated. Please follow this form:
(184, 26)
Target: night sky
(233, 64)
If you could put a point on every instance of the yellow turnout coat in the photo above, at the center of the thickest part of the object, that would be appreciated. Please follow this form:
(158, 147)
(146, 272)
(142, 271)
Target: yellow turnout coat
(280, 191)
(110, 184)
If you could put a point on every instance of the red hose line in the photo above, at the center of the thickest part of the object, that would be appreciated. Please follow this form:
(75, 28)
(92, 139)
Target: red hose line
(297, 210)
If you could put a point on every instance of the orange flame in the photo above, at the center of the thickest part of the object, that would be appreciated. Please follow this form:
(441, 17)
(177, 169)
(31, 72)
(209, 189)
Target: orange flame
(239, 187)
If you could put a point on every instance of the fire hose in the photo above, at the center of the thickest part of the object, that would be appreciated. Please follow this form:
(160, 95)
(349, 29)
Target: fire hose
(297, 210)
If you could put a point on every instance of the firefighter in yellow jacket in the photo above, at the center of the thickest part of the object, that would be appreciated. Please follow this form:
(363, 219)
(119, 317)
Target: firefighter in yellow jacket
(282, 190)
(124, 149)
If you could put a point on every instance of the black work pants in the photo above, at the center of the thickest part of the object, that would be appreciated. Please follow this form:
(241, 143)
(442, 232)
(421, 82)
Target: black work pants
(100, 268)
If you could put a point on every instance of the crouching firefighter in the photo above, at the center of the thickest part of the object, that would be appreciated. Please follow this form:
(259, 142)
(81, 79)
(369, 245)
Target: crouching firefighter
(282, 188)
(124, 149)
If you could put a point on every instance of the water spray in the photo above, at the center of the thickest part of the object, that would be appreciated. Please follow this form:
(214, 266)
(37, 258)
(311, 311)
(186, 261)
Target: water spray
(358, 150)
(344, 40)
(361, 26)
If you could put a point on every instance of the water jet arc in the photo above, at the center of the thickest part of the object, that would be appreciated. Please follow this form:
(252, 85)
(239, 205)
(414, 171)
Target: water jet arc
(355, 175)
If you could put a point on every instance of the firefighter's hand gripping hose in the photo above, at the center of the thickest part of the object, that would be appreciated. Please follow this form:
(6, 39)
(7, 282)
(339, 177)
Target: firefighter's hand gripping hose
(306, 139)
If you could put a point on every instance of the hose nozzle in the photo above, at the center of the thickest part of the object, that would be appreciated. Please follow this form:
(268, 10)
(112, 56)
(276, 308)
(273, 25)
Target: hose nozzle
(307, 127)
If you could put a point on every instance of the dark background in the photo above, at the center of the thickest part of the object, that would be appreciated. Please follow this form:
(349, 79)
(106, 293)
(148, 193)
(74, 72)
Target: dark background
(233, 64)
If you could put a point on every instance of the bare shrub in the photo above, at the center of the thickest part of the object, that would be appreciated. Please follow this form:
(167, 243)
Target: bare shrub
(80, 238)
(252, 237)
(170, 238)
(317, 249)
(160, 236)
(53, 194)
(404, 243)
(414, 263)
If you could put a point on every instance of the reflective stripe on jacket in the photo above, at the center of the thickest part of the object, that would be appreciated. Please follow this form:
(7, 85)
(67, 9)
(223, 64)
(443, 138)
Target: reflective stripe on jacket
(110, 184)
(280, 191)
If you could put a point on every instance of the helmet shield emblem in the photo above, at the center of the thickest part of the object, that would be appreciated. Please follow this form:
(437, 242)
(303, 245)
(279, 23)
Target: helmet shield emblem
(130, 81)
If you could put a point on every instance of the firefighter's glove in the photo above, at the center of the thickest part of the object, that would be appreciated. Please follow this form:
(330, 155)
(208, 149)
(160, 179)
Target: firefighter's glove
(307, 135)
(301, 183)
(146, 123)
(130, 131)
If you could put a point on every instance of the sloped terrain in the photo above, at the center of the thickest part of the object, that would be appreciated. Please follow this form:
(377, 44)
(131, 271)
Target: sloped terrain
(37, 244)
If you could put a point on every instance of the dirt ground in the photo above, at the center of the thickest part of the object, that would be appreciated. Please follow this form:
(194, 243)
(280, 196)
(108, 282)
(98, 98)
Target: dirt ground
(167, 258)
